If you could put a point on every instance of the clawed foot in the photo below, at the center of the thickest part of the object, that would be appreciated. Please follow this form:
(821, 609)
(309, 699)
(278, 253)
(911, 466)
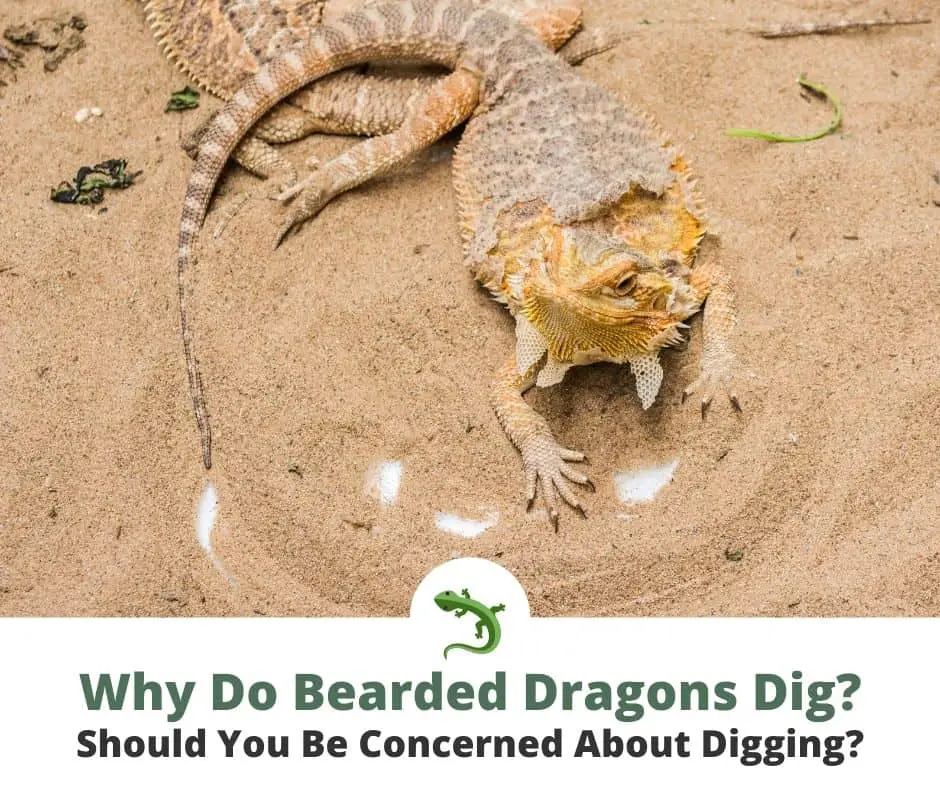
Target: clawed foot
(288, 189)
(283, 187)
(710, 385)
(312, 195)
(546, 466)
(308, 206)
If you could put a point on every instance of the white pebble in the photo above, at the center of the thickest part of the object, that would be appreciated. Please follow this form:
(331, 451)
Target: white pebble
(86, 113)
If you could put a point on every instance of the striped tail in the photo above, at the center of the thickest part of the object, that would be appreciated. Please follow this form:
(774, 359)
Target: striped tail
(429, 30)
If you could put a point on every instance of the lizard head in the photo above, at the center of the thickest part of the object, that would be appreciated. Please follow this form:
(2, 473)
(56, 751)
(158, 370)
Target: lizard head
(591, 297)
(446, 600)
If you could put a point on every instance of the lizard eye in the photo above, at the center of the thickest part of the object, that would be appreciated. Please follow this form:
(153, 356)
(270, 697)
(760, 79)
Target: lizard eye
(625, 285)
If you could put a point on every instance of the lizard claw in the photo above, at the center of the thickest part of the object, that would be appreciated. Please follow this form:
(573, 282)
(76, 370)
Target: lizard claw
(546, 465)
(312, 193)
(290, 187)
(284, 192)
(309, 203)
(282, 233)
(711, 384)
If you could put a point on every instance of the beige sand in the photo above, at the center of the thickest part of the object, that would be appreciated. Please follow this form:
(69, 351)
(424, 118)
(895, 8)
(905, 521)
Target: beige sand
(364, 339)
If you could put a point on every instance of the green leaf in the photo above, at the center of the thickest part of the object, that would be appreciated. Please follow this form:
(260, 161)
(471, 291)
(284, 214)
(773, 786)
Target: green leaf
(818, 90)
(181, 100)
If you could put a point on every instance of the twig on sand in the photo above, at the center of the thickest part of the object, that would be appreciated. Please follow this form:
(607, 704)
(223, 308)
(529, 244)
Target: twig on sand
(819, 90)
(791, 29)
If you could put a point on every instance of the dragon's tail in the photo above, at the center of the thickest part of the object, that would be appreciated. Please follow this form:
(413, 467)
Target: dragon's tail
(467, 647)
(431, 30)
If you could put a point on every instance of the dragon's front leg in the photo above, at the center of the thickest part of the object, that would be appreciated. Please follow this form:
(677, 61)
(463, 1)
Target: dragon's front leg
(546, 463)
(713, 285)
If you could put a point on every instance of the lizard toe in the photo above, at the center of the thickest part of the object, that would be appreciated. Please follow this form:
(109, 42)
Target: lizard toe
(577, 477)
(287, 190)
(547, 471)
(282, 233)
(711, 385)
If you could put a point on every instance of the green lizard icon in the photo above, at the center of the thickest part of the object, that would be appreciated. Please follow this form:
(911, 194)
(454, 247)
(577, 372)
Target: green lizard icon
(461, 605)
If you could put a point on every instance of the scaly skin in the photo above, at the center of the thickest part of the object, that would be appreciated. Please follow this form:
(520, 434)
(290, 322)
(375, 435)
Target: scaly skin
(574, 211)
(220, 43)
(463, 603)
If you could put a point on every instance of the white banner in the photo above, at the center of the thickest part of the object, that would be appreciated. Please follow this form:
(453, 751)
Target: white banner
(293, 702)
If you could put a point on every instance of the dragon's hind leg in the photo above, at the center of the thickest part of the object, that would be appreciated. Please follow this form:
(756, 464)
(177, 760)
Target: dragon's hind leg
(254, 152)
(448, 104)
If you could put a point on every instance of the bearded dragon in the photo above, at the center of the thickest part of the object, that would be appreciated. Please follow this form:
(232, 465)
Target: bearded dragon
(574, 210)
(220, 43)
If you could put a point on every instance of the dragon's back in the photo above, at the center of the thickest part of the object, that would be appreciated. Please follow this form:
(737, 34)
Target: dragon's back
(220, 43)
(547, 134)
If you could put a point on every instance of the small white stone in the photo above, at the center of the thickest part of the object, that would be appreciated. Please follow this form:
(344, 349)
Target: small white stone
(793, 438)
(82, 115)
(97, 112)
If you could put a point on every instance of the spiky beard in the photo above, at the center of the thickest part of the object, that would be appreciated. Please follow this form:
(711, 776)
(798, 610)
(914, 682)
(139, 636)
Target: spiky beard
(575, 327)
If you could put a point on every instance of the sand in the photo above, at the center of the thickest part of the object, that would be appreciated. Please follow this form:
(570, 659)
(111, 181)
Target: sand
(364, 339)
